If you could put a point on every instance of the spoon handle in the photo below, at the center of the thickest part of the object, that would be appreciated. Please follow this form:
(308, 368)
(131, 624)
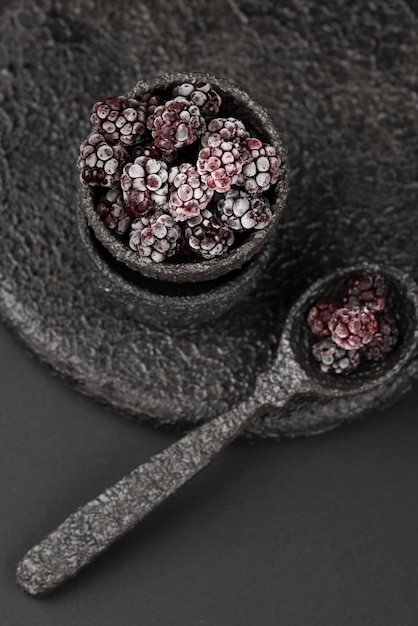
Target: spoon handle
(89, 531)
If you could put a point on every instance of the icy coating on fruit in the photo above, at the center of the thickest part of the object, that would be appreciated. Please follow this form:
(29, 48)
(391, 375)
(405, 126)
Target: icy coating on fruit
(356, 328)
(320, 314)
(188, 192)
(352, 327)
(120, 119)
(155, 237)
(177, 154)
(368, 290)
(145, 184)
(242, 211)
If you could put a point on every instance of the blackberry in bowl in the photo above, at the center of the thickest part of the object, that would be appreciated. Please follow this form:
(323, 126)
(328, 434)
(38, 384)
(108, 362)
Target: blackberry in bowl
(184, 179)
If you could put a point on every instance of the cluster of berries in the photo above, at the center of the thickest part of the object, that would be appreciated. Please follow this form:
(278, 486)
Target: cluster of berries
(354, 328)
(175, 178)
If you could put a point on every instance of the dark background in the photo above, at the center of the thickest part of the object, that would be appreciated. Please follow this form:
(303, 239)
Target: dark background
(317, 531)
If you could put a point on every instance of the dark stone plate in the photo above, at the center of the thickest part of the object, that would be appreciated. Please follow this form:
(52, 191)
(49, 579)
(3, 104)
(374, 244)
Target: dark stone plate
(337, 79)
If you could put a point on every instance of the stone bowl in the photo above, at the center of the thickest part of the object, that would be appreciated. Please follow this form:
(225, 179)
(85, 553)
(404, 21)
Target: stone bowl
(235, 103)
(163, 303)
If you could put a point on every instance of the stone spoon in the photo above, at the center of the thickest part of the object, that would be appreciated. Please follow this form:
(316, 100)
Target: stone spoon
(89, 531)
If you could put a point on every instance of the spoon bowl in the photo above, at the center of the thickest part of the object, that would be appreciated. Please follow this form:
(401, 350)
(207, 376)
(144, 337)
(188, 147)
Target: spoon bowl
(297, 338)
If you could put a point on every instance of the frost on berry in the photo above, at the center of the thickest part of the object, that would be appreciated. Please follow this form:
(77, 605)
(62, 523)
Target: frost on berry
(242, 212)
(100, 163)
(368, 290)
(219, 166)
(207, 236)
(384, 340)
(145, 184)
(261, 166)
(320, 314)
(202, 95)
(119, 119)
(176, 124)
(111, 209)
(188, 194)
(352, 327)
(155, 237)
(333, 359)
(224, 129)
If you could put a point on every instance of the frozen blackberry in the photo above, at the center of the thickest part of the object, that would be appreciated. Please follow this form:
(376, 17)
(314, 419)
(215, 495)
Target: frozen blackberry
(176, 124)
(368, 290)
(219, 167)
(120, 119)
(333, 359)
(261, 166)
(188, 194)
(241, 211)
(224, 129)
(150, 102)
(384, 340)
(352, 327)
(202, 95)
(111, 209)
(145, 184)
(320, 315)
(100, 164)
(207, 236)
(155, 237)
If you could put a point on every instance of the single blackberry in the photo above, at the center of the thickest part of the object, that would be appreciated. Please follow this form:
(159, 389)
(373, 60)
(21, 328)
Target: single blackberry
(224, 129)
(202, 95)
(320, 315)
(188, 194)
(155, 237)
(241, 211)
(145, 184)
(100, 164)
(111, 209)
(176, 124)
(384, 340)
(335, 360)
(261, 166)
(150, 102)
(207, 236)
(220, 166)
(120, 119)
(368, 290)
(352, 327)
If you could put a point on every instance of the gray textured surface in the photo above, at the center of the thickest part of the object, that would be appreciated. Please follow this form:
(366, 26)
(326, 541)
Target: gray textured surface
(338, 80)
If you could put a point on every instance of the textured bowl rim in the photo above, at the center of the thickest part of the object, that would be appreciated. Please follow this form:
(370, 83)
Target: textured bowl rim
(200, 270)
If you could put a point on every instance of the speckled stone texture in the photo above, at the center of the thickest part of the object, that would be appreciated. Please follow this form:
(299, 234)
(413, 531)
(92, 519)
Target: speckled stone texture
(337, 78)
